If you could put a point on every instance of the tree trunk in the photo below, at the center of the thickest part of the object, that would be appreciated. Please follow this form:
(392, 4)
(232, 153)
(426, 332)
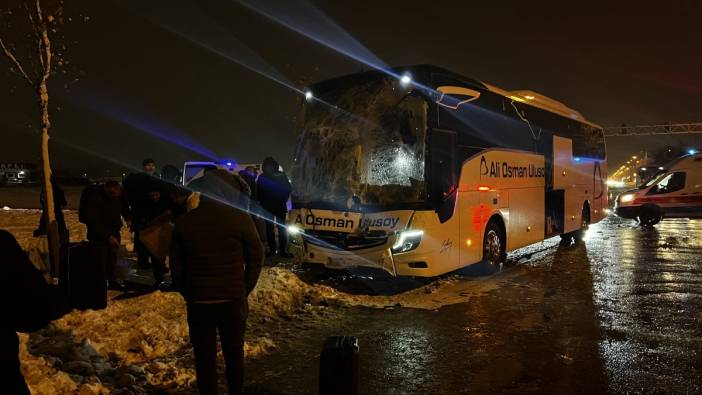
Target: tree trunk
(52, 230)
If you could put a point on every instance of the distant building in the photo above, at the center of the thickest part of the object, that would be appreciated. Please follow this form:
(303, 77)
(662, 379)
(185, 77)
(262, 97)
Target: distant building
(18, 173)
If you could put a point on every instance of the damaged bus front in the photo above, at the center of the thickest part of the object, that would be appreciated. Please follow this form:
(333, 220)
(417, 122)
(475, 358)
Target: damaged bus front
(359, 176)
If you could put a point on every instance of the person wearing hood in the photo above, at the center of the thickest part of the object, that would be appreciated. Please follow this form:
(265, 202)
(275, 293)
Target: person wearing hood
(273, 193)
(216, 258)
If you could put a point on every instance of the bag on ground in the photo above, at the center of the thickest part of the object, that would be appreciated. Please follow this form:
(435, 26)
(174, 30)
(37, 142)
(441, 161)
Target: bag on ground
(82, 276)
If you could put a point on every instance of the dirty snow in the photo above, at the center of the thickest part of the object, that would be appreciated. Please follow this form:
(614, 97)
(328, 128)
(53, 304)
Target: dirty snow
(140, 344)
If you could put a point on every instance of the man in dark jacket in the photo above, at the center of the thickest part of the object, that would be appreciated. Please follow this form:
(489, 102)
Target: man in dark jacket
(250, 175)
(273, 194)
(157, 202)
(28, 303)
(136, 189)
(216, 259)
(101, 210)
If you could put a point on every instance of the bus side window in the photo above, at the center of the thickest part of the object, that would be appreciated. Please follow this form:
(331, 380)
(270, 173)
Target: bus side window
(443, 175)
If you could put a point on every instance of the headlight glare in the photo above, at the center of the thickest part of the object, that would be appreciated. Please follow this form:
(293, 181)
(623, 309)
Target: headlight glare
(295, 230)
(626, 198)
(407, 241)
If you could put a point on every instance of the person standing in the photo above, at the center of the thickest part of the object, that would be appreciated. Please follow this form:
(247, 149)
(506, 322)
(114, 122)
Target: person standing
(179, 200)
(155, 205)
(273, 194)
(136, 188)
(171, 174)
(28, 304)
(250, 175)
(59, 203)
(101, 210)
(216, 259)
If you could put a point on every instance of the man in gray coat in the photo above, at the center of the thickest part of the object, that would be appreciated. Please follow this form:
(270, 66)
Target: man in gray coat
(216, 259)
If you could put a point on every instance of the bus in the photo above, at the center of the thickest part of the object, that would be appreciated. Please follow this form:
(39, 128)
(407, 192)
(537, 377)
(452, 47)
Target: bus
(420, 171)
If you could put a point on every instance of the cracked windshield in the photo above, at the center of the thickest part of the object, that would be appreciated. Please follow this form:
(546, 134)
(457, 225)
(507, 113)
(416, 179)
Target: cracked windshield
(361, 146)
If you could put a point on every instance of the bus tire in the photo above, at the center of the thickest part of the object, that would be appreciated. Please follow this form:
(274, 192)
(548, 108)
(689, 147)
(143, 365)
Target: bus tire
(494, 247)
(649, 215)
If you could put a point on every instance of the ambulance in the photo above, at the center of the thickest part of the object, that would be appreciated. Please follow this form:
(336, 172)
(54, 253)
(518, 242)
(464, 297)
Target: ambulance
(675, 193)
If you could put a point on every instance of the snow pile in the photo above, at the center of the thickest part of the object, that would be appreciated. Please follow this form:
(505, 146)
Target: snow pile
(141, 344)
(22, 222)
(281, 294)
(417, 298)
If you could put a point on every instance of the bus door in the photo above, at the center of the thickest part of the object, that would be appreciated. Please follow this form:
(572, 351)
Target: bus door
(566, 175)
(599, 191)
(443, 193)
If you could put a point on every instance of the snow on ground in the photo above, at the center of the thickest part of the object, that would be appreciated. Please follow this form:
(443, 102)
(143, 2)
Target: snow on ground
(140, 344)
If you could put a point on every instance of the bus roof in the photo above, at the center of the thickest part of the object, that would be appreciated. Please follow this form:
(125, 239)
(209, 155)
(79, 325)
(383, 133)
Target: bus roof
(543, 102)
(421, 71)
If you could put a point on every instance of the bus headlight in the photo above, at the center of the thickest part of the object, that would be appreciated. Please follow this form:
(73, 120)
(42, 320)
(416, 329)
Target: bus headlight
(407, 241)
(626, 198)
(295, 232)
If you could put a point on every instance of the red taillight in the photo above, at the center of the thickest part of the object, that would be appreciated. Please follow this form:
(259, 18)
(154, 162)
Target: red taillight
(483, 188)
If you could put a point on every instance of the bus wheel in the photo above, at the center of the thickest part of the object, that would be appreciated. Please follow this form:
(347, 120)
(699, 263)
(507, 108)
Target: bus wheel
(649, 216)
(494, 245)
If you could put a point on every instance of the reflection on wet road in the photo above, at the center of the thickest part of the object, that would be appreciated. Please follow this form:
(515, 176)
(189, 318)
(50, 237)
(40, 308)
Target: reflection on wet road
(648, 288)
(620, 313)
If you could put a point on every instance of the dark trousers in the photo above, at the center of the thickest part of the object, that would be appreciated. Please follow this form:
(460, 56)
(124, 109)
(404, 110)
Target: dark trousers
(12, 364)
(279, 218)
(205, 320)
(106, 255)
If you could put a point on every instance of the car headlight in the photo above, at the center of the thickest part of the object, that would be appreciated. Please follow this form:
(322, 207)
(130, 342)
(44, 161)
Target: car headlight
(407, 241)
(626, 198)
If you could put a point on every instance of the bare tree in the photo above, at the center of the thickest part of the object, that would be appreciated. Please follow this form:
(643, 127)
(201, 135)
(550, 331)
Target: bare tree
(27, 46)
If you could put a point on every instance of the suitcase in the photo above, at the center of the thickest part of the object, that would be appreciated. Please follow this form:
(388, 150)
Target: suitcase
(82, 276)
(338, 366)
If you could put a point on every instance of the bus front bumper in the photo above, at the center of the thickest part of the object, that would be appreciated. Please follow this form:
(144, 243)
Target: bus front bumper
(378, 257)
(413, 263)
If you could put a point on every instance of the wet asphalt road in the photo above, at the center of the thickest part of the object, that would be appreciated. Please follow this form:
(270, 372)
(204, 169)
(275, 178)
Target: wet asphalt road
(620, 313)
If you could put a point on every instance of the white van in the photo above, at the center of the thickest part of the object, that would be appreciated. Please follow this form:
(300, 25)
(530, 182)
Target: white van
(193, 169)
(675, 193)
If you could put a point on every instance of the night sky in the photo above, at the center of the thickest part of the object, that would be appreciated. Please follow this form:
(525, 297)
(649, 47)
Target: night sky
(147, 86)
